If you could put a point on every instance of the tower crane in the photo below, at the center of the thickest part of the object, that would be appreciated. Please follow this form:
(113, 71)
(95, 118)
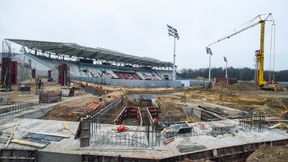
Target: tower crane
(260, 19)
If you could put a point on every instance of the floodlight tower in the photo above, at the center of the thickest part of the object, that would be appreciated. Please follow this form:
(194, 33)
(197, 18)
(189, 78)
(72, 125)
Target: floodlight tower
(225, 60)
(173, 32)
(209, 52)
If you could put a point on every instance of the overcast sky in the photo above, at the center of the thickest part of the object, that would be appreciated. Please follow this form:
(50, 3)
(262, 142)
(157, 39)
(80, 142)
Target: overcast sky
(138, 27)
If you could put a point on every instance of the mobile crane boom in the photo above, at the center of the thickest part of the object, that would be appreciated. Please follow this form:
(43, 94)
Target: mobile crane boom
(259, 53)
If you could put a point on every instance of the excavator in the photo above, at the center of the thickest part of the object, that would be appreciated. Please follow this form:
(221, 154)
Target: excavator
(260, 19)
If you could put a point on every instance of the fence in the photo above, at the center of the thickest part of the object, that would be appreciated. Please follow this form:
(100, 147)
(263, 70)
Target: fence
(144, 138)
(12, 109)
(132, 83)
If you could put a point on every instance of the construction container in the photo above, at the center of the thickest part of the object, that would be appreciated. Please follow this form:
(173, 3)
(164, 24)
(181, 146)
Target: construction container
(49, 97)
(66, 92)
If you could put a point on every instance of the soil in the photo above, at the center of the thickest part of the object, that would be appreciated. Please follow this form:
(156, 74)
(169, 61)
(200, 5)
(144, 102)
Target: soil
(171, 109)
(243, 96)
(266, 153)
(75, 109)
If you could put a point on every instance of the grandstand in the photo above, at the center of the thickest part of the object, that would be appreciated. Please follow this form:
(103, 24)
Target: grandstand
(96, 63)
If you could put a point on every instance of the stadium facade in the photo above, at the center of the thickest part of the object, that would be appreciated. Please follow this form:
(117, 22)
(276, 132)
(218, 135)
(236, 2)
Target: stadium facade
(93, 64)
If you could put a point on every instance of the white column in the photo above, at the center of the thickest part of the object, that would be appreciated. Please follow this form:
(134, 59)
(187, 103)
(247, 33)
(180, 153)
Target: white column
(226, 75)
(209, 67)
(174, 56)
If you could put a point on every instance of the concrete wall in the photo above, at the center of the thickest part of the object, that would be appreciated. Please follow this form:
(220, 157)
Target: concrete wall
(199, 83)
(57, 157)
(187, 110)
(132, 83)
(38, 113)
(196, 112)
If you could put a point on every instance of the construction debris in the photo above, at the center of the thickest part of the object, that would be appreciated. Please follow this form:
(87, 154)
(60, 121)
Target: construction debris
(41, 137)
(175, 129)
(219, 129)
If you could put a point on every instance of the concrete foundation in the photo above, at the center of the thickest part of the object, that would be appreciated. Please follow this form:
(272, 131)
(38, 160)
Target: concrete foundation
(197, 145)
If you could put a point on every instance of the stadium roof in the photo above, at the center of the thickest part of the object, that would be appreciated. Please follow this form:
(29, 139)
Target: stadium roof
(73, 49)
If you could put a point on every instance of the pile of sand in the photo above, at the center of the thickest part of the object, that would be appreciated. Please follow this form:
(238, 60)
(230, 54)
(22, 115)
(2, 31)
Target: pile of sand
(244, 86)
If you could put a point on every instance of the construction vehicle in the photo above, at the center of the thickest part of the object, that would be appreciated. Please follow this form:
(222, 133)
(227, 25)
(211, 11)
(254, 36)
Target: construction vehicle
(271, 85)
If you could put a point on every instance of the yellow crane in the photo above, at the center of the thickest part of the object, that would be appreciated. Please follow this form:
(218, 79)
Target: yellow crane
(259, 53)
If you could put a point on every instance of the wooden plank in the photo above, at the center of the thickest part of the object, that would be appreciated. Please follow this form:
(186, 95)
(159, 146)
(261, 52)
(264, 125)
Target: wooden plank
(28, 143)
(168, 140)
(52, 134)
(12, 134)
(276, 125)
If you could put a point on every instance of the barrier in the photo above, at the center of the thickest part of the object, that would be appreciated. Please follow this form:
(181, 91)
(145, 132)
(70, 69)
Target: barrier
(132, 83)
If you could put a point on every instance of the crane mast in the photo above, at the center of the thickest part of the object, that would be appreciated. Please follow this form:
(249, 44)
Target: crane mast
(260, 56)
(259, 53)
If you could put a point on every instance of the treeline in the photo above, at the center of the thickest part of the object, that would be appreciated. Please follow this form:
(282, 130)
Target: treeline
(238, 73)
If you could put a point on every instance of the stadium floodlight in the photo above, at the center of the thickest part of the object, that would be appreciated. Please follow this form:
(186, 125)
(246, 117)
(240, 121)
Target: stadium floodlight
(226, 75)
(225, 59)
(174, 33)
(209, 52)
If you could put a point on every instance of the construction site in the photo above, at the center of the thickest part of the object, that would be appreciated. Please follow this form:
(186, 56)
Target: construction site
(71, 103)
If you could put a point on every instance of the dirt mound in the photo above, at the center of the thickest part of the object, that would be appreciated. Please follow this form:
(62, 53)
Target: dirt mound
(71, 110)
(267, 153)
(244, 86)
(77, 108)
(171, 109)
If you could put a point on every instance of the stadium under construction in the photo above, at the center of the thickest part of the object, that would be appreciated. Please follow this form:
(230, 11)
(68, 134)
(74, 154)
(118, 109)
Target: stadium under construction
(67, 102)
